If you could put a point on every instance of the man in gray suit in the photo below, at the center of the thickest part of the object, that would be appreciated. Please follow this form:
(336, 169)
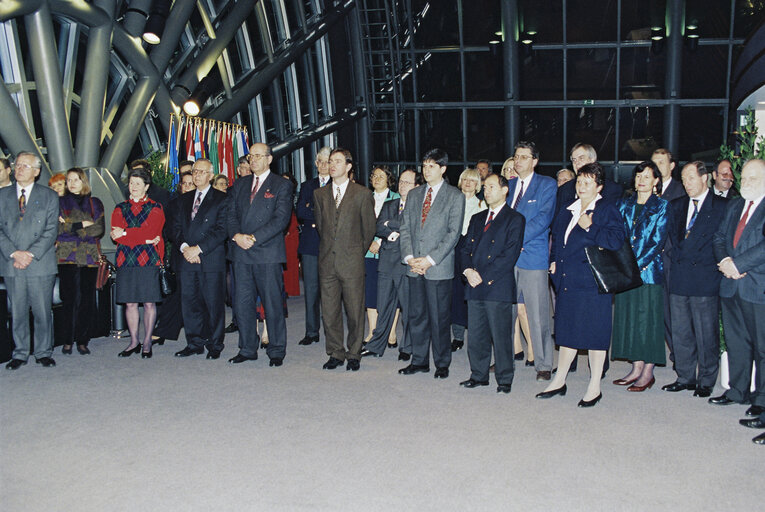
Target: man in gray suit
(430, 229)
(28, 229)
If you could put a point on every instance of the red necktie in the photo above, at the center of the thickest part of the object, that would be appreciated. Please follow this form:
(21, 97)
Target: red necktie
(254, 189)
(488, 222)
(426, 204)
(741, 225)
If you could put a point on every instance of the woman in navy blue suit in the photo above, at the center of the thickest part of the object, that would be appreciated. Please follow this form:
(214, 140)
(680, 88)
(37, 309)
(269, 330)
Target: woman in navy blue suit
(582, 315)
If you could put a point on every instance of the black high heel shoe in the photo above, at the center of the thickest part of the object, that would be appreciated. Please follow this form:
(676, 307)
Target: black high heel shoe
(129, 351)
(146, 355)
(590, 403)
(158, 341)
(83, 350)
(549, 394)
(65, 350)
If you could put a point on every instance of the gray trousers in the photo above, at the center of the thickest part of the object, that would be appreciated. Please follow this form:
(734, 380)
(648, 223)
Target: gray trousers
(744, 324)
(536, 295)
(35, 293)
(490, 320)
(696, 338)
(392, 291)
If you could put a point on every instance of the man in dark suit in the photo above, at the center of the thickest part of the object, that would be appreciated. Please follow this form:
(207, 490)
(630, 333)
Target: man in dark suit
(28, 229)
(308, 247)
(740, 250)
(695, 283)
(722, 184)
(492, 246)
(260, 207)
(199, 229)
(392, 283)
(430, 229)
(345, 220)
(582, 154)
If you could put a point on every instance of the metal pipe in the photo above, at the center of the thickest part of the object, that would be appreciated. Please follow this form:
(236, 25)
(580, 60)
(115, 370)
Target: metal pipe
(135, 17)
(358, 70)
(13, 129)
(176, 23)
(512, 113)
(42, 48)
(10, 10)
(672, 87)
(305, 137)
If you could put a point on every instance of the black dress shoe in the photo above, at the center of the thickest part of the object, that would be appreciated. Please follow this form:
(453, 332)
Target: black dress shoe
(530, 363)
(232, 327)
(15, 364)
(471, 383)
(721, 400)
(403, 356)
(276, 361)
(759, 439)
(549, 394)
(353, 365)
(188, 351)
(308, 340)
(755, 410)
(213, 354)
(83, 350)
(414, 368)
(702, 391)
(518, 356)
(239, 358)
(332, 363)
(441, 373)
(589, 403)
(129, 351)
(368, 353)
(457, 345)
(393, 345)
(47, 362)
(544, 375)
(678, 386)
(66, 349)
(504, 388)
(752, 423)
(159, 340)
(146, 355)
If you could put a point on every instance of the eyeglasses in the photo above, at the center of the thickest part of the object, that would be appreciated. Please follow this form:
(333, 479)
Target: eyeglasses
(257, 156)
(580, 158)
(405, 182)
(24, 166)
(199, 171)
(522, 158)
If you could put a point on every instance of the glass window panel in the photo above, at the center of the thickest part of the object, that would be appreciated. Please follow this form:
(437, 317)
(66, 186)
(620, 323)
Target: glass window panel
(544, 18)
(442, 129)
(592, 74)
(704, 72)
(483, 74)
(748, 16)
(438, 77)
(294, 16)
(485, 134)
(436, 23)
(590, 20)
(594, 126)
(544, 127)
(254, 37)
(711, 16)
(480, 21)
(638, 16)
(641, 130)
(701, 133)
(542, 76)
(642, 74)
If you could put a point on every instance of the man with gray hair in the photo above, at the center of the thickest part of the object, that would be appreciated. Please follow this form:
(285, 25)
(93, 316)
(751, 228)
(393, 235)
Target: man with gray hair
(582, 154)
(28, 230)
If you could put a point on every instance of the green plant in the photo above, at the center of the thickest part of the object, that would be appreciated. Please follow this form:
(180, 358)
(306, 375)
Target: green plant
(159, 173)
(748, 145)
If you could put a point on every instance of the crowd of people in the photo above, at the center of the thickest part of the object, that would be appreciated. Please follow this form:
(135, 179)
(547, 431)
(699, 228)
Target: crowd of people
(501, 257)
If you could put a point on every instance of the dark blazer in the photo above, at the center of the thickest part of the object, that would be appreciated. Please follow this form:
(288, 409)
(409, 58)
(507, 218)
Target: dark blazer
(36, 233)
(309, 237)
(207, 230)
(693, 265)
(749, 254)
(732, 192)
(493, 254)
(266, 218)
(611, 193)
(538, 208)
(159, 195)
(390, 252)
(647, 234)
(674, 190)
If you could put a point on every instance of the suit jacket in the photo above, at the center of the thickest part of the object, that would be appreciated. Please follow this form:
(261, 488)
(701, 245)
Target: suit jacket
(309, 237)
(207, 230)
(346, 231)
(493, 254)
(390, 252)
(693, 265)
(36, 233)
(674, 190)
(647, 234)
(566, 194)
(748, 255)
(439, 235)
(538, 208)
(266, 218)
(732, 192)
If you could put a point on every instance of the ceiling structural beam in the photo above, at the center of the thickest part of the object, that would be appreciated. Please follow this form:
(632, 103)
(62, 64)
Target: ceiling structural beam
(135, 16)
(176, 22)
(309, 134)
(261, 78)
(674, 74)
(44, 58)
(207, 58)
(9, 10)
(13, 129)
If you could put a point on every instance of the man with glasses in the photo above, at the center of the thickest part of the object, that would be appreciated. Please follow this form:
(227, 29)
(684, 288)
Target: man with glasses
(28, 230)
(582, 154)
(308, 247)
(260, 208)
(533, 196)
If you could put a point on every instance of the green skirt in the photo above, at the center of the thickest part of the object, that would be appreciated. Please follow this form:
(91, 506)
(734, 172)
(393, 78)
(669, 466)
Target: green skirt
(638, 333)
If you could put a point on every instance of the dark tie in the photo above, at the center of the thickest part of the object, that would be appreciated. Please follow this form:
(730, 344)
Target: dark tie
(400, 207)
(518, 199)
(741, 225)
(22, 204)
(254, 189)
(197, 202)
(488, 222)
(426, 204)
(693, 217)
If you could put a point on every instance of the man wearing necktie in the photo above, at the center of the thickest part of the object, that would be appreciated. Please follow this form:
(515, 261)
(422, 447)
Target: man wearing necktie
(694, 284)
(345, 220)
(430, 230)
(28, 228)
(199, 229)
(260, 207)
(739, 247)
(722, 181)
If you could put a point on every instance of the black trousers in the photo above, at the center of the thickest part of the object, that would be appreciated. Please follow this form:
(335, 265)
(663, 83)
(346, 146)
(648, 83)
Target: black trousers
(77, 288)
(203, 297)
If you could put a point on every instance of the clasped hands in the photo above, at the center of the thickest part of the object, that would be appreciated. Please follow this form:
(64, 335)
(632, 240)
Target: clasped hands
(473, 277)
(728, 268)
(243, 240)
(22, 259)
(192, 253)
(419, 265)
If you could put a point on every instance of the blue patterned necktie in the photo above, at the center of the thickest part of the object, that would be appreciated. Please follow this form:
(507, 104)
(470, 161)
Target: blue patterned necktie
(693, 217)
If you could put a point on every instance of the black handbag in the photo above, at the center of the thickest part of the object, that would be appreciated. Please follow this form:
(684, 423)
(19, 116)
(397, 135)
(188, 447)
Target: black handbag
(167, 280)
(614, 271)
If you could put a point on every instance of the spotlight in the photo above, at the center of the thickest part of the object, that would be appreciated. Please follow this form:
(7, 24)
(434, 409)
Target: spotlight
(152, 32)
(200, 95)
(692, 37)
(657, 40)
(528, 37)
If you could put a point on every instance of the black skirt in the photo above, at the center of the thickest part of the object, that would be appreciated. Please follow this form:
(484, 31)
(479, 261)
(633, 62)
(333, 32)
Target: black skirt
(138, 284)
